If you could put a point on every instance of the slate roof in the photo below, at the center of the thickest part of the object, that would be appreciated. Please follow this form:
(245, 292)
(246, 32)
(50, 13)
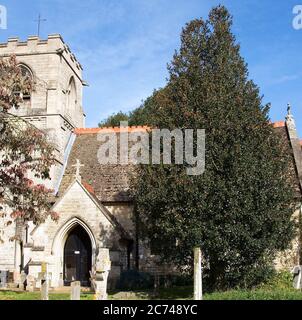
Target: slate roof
(110, 183)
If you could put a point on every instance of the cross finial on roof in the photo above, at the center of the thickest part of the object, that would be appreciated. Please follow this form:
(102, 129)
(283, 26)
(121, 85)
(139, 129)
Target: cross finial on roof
(78, 166)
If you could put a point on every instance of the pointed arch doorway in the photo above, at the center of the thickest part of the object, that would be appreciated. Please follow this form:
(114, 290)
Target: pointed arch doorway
(77, 257)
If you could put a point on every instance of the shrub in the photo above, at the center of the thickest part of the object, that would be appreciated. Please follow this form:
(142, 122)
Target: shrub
(135, 280)
(279, 280)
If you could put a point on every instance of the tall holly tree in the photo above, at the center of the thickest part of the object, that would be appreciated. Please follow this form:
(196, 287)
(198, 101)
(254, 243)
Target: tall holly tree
(239, 210)
(25, 153)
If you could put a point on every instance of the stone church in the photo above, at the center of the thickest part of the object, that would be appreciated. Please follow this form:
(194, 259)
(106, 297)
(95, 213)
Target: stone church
(92, 200)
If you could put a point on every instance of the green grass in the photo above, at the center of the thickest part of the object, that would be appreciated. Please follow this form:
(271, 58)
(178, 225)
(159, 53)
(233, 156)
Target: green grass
(277, 288)
(257, 294)
(177, 293)
(13, 295)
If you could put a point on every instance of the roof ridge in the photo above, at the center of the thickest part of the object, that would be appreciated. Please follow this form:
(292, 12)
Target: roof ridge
(278, 124)
(110, 129)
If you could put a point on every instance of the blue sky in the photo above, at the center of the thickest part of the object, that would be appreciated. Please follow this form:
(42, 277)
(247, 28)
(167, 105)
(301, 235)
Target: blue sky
(124, 46)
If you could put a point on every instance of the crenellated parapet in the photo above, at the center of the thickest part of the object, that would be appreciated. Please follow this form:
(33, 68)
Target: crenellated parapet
(34, 45)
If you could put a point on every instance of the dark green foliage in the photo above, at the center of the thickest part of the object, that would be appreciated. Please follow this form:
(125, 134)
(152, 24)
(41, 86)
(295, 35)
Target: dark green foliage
(135, 280)
(176, 280)
(146, 114)
(114, 120)
(239, 211)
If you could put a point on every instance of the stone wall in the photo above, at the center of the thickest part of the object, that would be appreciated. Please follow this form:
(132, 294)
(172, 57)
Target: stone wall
(124, 214)
(291, 257)
(53, 66)
(75, 207)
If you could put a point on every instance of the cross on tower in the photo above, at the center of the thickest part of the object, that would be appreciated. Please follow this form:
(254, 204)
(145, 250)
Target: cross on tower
(78, 166)
(39, 23)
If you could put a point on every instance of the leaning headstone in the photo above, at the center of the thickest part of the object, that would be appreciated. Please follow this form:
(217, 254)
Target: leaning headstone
(197, 274)
(75, 290)
(297, 277)
(30, 281)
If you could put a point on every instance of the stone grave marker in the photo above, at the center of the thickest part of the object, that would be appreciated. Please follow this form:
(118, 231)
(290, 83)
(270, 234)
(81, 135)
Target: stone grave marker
(44, 277)
(197, 274)
(3, 279)
(75, 290)
(297, 277)
(30, 280)
(156, 283)
(100, 276)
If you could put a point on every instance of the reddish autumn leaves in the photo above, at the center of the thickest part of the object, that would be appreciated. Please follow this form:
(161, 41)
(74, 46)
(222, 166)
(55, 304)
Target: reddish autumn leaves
(26, 154)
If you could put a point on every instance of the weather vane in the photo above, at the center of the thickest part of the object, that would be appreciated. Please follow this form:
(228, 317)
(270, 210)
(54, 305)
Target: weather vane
(39, 23)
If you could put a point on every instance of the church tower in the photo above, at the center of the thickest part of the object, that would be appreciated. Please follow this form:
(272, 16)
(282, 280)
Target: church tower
(55, 104)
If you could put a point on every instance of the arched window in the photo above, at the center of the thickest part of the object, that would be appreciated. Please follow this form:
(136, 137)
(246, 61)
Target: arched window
(71, 97)
(27, 76)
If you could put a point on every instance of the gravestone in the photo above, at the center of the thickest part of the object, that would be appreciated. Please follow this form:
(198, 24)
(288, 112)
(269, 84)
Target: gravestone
(3, 279)
(30, 281)
(99, 277)
(197, 274)
(297, 277)
(44, 278)
(61, 280)
(75, 290)
(156, 283)
(17, 279)
(44, 288)
(10, 280)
